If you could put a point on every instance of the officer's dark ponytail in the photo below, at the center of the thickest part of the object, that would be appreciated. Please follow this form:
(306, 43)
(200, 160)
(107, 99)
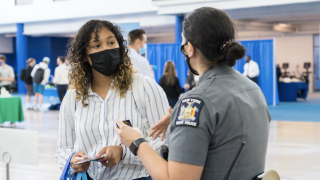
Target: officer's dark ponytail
(212, 32)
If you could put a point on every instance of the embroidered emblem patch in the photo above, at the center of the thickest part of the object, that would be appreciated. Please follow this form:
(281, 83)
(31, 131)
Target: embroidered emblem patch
(189, 112)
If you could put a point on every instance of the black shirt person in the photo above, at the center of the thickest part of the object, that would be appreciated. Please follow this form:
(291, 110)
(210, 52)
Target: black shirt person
(209, 123)
(170, 83)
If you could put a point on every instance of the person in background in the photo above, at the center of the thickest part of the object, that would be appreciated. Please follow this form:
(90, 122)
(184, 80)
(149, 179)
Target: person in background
(67, 61)
(61, 77)
(170, 83)
(6, 73)
(138, 47)
(191, 81)
(40, 74)
(251, 69)
(28, 79)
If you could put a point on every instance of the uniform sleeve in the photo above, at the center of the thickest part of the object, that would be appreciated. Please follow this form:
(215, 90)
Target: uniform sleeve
(190, 132)
(66, 136)
(157, 106)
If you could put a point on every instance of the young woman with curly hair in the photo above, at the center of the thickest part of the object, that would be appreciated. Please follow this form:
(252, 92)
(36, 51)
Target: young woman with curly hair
(101, 78)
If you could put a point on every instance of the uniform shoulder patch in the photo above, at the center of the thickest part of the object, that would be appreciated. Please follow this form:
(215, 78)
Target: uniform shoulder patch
(189, 111)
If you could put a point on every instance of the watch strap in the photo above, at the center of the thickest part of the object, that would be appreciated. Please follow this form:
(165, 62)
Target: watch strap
(135, 145)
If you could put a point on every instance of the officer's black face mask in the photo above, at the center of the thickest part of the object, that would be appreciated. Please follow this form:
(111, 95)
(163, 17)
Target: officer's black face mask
(188, 59)
(106, 62)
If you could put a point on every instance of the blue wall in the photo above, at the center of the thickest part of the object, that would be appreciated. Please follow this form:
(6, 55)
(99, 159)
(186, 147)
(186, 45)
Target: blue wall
(159, 54)
(58, 48)
(39, 47)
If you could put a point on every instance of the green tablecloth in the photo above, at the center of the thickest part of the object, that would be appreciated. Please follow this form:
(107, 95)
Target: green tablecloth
(11, 109)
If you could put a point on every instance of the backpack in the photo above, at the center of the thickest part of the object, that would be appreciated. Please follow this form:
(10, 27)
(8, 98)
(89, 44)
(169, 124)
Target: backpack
(38, 77)
(23, 74)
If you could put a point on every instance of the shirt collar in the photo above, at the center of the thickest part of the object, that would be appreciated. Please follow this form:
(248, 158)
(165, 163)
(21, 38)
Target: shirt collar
(133, 51)
(90, 92)
(216, 69)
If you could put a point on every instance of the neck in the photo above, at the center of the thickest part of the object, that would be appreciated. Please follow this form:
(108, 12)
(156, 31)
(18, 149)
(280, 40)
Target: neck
(135, 48)
(3, 64)
(101, 81)
(202, 70)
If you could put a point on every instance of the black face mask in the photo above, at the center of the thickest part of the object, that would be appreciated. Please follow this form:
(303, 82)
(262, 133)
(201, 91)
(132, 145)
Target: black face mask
(188, 59)
(106, 62)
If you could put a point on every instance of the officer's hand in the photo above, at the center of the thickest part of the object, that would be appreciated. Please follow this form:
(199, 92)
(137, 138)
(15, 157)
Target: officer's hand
(161, 126)
(127, 134)
(112, 157)
(80, 168)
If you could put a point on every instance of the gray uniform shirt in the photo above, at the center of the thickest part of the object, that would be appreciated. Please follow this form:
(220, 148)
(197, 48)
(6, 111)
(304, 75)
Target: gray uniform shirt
(210, 122)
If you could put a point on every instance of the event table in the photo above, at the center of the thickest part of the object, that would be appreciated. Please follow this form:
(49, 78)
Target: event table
(291, 91)
(11, 109)
(52, 91)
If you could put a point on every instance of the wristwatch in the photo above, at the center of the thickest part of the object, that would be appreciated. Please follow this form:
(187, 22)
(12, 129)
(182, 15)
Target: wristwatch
(135, 145)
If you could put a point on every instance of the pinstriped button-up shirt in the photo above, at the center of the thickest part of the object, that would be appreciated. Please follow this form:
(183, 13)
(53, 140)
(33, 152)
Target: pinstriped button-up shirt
(93, 127)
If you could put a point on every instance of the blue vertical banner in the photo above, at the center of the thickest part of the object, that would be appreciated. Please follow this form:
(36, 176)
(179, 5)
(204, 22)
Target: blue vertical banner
(21, 45)
(159, 54)
(261, 51)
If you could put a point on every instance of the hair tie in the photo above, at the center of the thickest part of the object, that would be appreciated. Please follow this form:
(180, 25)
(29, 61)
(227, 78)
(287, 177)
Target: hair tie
(225, 44)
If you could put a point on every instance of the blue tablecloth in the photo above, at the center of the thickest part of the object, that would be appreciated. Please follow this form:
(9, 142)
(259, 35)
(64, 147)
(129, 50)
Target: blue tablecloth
(51, 92)
(291, 91)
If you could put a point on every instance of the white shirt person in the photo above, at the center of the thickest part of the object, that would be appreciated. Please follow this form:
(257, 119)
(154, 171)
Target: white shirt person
(137, 47)
(251, 68)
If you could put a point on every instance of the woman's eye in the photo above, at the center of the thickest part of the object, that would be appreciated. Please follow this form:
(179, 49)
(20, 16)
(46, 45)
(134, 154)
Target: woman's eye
(111, 43)
(97, 46)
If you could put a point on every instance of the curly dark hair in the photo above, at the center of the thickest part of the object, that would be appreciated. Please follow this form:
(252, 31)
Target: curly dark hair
(80, 75)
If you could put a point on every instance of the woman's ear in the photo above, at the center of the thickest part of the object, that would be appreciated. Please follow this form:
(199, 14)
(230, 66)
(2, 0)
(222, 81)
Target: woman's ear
(191, 50)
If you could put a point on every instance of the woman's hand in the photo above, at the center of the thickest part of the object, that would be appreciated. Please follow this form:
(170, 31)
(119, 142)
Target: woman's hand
(113, 155)
(80, 168)
(127, 134)
(161, 126)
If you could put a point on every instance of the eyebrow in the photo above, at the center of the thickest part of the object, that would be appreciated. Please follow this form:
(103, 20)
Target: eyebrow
(97, 40)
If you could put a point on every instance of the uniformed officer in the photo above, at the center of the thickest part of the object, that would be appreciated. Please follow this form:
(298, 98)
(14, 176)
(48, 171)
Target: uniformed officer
(210, 122)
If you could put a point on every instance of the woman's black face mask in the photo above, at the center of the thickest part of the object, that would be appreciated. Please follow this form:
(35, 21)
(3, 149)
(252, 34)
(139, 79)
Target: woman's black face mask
(188, 59)
(107, 61)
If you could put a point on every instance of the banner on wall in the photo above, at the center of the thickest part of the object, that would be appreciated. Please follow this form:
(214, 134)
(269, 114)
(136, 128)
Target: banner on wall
(261, 51)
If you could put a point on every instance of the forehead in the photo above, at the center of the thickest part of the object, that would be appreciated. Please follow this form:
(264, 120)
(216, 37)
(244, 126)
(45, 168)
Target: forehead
(103, 33)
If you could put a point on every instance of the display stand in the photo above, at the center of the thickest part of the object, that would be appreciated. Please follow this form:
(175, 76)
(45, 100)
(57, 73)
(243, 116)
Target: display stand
(18, 146)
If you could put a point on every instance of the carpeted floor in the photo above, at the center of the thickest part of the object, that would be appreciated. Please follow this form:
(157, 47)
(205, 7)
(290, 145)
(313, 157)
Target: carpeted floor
(303, 110)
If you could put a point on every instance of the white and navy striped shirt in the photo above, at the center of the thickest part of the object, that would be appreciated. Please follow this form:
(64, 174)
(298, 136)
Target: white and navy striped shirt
(93, 127)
